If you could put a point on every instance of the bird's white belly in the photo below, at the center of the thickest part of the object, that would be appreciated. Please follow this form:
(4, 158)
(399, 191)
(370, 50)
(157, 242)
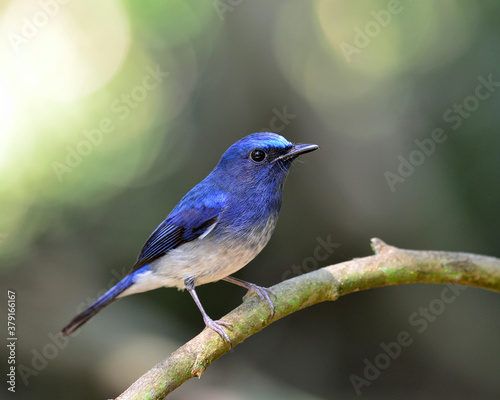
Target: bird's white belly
(206, 260)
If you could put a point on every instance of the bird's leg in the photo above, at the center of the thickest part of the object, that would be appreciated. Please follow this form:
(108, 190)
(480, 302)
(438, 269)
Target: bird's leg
(209, 322)
(262, 292)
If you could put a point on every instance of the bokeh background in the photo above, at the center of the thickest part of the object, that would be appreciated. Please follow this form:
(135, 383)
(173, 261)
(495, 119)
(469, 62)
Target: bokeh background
(111, 111)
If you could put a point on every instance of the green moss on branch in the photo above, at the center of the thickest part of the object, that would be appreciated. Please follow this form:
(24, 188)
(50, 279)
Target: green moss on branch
(389, 266)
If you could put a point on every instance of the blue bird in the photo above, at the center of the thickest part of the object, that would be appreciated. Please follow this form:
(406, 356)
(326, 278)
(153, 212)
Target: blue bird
(216, 229)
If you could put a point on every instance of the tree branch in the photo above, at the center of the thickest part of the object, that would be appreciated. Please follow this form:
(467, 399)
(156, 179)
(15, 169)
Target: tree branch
(389, 266)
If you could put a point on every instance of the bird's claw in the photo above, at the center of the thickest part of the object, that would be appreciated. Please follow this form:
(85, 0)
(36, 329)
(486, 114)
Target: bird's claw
(217, 326)
(264, 293)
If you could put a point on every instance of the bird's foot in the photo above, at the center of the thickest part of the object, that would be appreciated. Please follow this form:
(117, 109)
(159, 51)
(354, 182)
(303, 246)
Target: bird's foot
(264, 293)
(217, 326)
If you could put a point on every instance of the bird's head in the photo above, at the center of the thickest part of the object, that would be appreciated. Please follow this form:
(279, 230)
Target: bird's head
(261, 158)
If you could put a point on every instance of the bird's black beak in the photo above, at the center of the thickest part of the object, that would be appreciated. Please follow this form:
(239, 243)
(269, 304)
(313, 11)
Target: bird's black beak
(296, 150)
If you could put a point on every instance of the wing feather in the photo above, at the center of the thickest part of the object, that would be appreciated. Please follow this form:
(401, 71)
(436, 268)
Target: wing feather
(177, 229)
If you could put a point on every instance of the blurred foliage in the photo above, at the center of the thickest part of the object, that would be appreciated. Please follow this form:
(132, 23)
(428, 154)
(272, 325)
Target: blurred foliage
(111, 111)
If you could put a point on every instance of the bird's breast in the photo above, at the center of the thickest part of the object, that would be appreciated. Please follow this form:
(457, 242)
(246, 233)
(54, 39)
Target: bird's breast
(215, 256)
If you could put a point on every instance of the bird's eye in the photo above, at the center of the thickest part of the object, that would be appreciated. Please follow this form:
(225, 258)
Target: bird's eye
(257, 155)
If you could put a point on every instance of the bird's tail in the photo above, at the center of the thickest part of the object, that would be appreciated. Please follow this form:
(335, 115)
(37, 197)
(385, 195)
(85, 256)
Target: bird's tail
(98, 305)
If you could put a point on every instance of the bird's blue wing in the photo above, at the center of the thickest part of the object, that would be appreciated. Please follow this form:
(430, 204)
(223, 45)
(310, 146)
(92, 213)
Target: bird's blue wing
(182, 227)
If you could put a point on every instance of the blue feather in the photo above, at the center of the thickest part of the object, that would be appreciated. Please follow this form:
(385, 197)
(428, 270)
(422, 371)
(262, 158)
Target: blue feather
(217, 228)
(100, 303)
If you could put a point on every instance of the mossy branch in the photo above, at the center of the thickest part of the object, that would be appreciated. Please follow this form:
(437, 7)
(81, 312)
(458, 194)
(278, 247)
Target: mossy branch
(389, 266)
